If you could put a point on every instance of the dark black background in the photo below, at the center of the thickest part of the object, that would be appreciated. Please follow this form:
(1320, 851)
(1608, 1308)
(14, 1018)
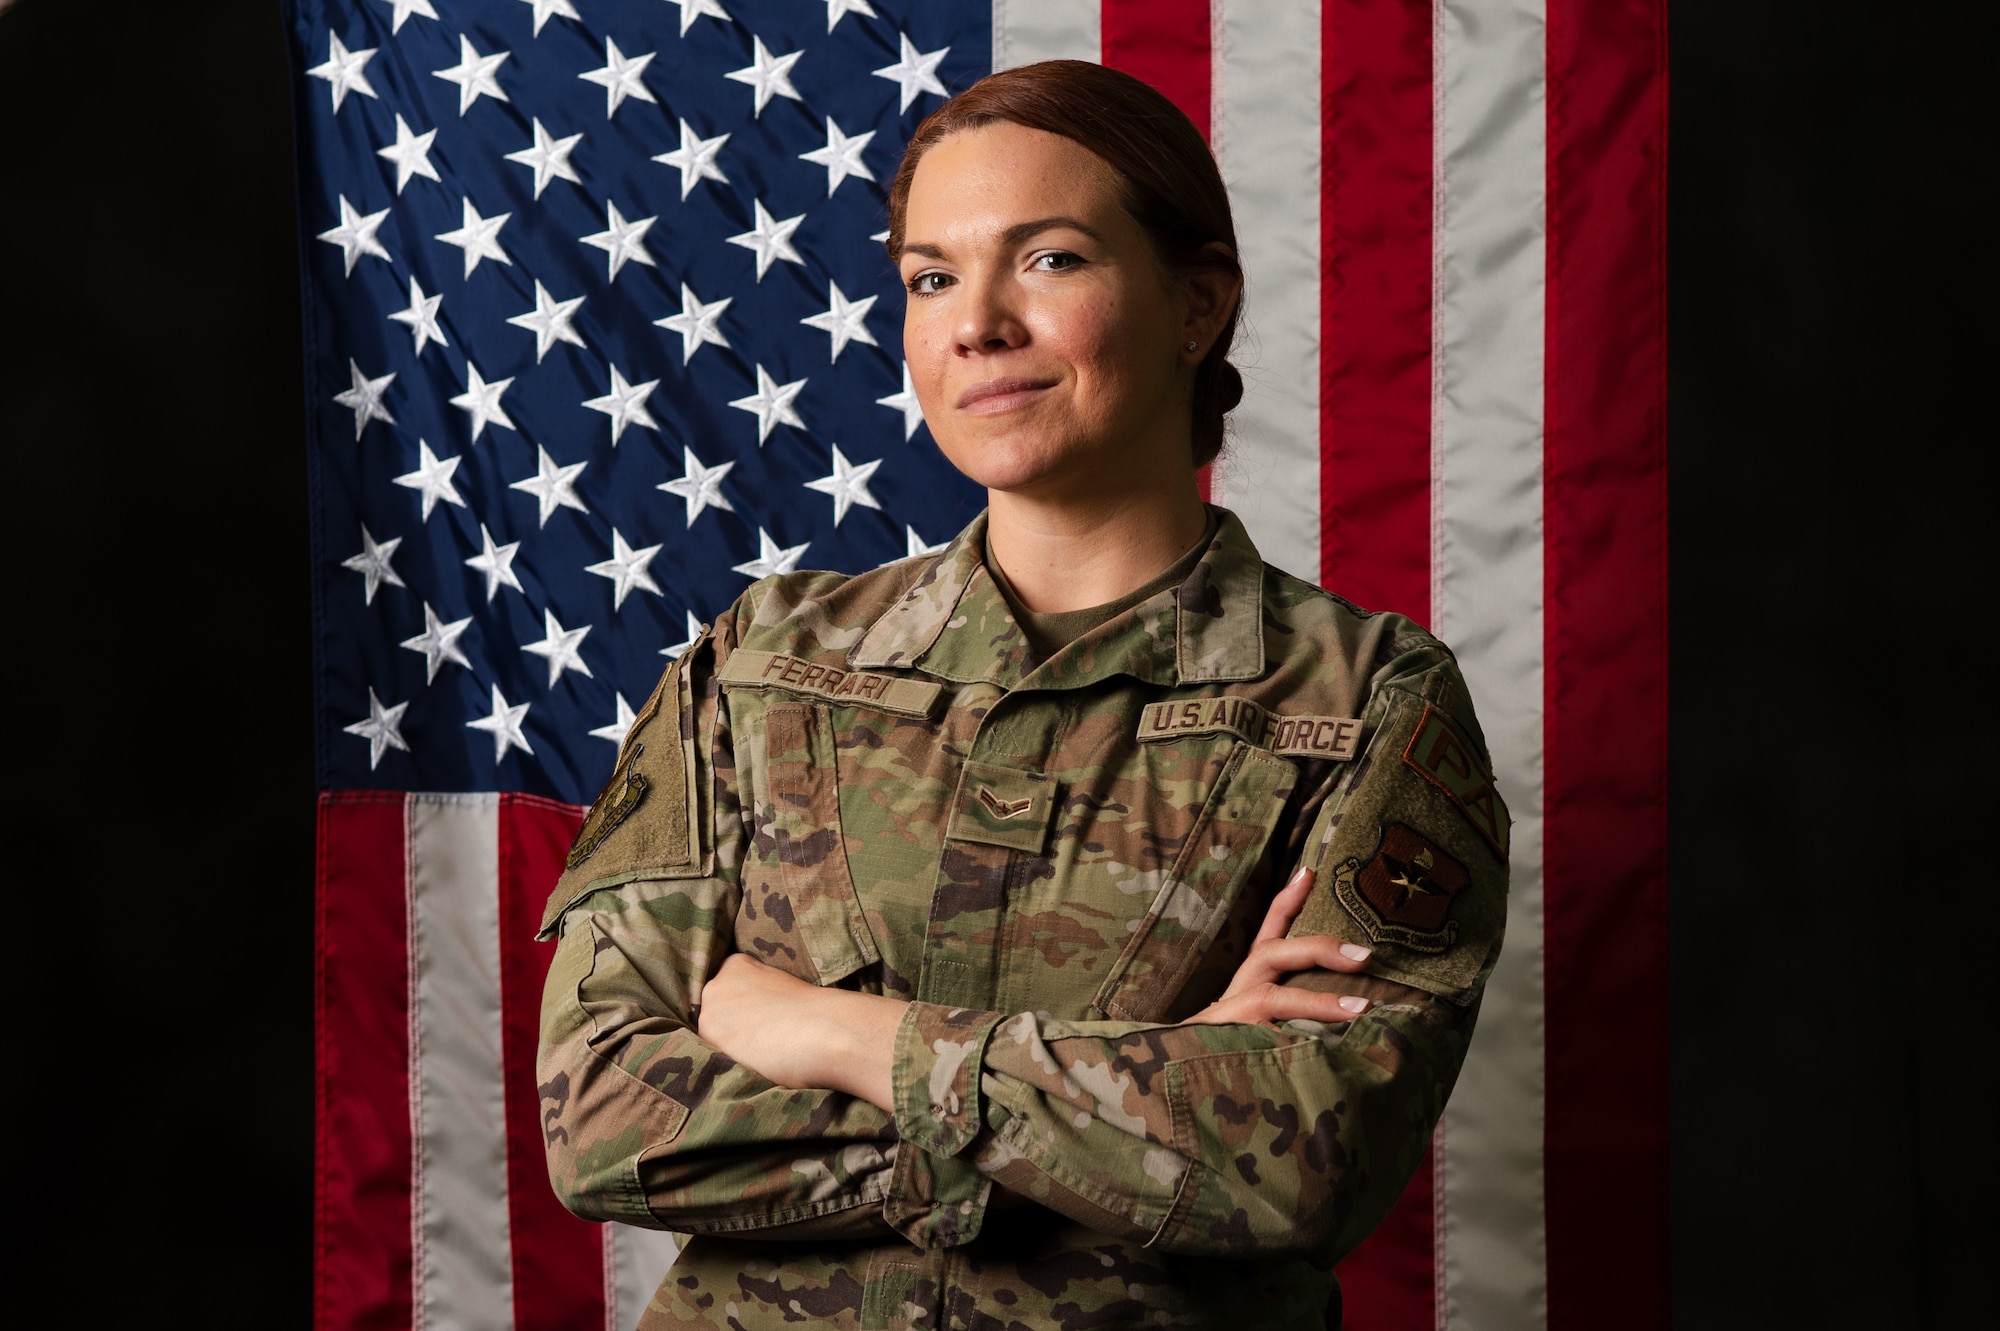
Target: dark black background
(1830, 743)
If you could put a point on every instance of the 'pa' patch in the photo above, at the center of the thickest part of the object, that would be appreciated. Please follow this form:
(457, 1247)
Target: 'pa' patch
(1449, 762)
(1404, 894)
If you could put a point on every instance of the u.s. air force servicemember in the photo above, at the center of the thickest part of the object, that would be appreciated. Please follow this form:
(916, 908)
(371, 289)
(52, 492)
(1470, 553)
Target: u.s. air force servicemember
(1080, 927)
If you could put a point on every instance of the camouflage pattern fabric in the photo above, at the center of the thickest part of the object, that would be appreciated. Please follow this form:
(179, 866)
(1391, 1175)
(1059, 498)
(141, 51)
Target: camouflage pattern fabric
(869, 782)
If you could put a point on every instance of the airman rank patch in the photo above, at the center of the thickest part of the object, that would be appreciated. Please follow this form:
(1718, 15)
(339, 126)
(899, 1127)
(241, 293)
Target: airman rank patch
(1336, 738)
(1445, 759)
(1404, 894)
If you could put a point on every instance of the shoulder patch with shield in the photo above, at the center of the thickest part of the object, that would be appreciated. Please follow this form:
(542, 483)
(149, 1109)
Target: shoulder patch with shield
(1410, 852)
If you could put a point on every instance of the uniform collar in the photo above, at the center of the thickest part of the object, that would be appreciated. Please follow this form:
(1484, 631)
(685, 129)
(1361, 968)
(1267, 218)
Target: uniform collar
(954, 623)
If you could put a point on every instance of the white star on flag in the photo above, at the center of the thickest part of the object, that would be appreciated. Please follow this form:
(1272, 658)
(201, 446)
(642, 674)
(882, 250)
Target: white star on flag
(694, 9)
(620, 77)
(373, 564)
(422, 318)
(504, 725)
(696, 323)
(405, 8)
(356, 234)
(432, 479)
(680, 648)
(552, 486)
(344, 70)
(771, 558)
(771, 239)
(914, 73)
(474, 75)
(836, 8)
(627, 569)
(549, 321)
(364, 398)
(625, 404)
(479, 237)
(841, 157)
(481, 401)
(411, 153)
(702, 486)
(496, 562)
(560, 647)
(767, 75)
(772, 404)
(439, 642)
(916, 545)
(843, 319)
(695, 159)
(383, 728)
(548, 158)
(622, 240)
(848, 485)
(545, 8)
(620, 725)
(905, 402)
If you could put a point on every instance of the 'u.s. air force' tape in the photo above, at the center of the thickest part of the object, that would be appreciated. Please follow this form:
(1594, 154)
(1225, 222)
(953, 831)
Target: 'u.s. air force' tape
(1293, 736)
(775, 670)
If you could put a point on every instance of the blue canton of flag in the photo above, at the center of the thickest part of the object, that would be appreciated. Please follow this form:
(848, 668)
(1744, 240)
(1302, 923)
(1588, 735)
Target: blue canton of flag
(599, 328)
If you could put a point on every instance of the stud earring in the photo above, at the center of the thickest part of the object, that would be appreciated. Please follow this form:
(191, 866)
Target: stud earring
(1190, 346)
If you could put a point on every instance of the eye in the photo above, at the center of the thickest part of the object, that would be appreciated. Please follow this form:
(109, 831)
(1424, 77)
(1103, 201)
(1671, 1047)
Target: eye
(929, 283)
(1056, 261)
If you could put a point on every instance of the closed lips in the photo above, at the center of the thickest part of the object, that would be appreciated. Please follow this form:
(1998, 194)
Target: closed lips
(998, 388)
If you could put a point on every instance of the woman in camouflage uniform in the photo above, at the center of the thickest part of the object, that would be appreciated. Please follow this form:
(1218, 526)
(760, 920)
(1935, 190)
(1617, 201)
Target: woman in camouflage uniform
(1080, 927)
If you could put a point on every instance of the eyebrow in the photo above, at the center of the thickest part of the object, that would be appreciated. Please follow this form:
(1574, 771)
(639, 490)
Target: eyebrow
(1013, 235)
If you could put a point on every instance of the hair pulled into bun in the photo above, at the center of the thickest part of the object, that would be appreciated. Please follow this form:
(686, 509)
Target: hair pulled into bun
(1172, 187)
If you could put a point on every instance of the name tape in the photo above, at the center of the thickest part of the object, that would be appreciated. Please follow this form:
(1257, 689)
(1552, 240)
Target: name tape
(775, 670)
(1293, 736)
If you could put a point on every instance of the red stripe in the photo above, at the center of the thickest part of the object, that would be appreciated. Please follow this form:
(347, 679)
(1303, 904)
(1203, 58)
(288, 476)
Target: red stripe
(1389, 1283)
(1375, 440)
(361, 1223)
(558, 1259)
(1605, 524)
(1168, 44)
(1375, 303)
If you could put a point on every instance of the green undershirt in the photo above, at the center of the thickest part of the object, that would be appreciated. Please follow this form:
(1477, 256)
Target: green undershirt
(1049, 633)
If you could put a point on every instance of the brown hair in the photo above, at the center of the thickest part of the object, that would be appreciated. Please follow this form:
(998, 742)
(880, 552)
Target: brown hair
(1172, 187)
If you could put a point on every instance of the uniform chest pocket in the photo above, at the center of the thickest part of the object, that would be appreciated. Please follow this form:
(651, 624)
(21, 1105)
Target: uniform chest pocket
(1223, 847)
(817, 902)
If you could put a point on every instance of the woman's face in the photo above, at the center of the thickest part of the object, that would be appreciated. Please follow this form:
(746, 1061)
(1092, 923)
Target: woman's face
(1044, 339)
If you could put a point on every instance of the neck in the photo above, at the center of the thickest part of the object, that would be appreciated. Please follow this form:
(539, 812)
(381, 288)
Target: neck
(1079, 552)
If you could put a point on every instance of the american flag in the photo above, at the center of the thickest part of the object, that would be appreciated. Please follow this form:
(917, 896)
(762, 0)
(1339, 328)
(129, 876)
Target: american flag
(599, 328)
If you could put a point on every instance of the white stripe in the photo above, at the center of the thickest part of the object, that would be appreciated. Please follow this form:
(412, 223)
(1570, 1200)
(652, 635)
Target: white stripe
(1487, 570)
(464, 1271)
(1025, 31)
(1266, 135)
(638, 1260)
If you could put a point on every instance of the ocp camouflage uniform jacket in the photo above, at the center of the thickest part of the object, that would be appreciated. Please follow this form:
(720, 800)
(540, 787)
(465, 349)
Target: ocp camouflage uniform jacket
(868, 782)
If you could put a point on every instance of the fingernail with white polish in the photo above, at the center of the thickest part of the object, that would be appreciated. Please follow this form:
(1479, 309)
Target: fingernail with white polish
(1354, 1003)
(1355, 952)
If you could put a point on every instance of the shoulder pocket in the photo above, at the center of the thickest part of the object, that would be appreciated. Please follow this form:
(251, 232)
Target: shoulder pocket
(648, 820)
(1225, 844)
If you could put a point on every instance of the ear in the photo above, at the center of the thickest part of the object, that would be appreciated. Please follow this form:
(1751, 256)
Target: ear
(1213, 289)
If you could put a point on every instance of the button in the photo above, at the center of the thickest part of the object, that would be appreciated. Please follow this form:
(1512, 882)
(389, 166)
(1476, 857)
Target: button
(937, 1111)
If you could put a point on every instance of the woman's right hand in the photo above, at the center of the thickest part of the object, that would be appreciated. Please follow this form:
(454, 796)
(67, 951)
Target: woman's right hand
(1257, 992)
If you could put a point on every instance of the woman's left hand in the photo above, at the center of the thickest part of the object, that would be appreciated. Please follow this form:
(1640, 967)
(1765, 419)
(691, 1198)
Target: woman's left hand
(1257, 993)
(799, 1034)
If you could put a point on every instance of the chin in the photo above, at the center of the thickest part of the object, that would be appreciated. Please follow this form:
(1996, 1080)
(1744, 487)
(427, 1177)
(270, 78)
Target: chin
(1006, 462)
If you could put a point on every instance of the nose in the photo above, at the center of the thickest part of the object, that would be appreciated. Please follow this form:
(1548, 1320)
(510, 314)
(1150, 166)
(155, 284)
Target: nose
(989, 319)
